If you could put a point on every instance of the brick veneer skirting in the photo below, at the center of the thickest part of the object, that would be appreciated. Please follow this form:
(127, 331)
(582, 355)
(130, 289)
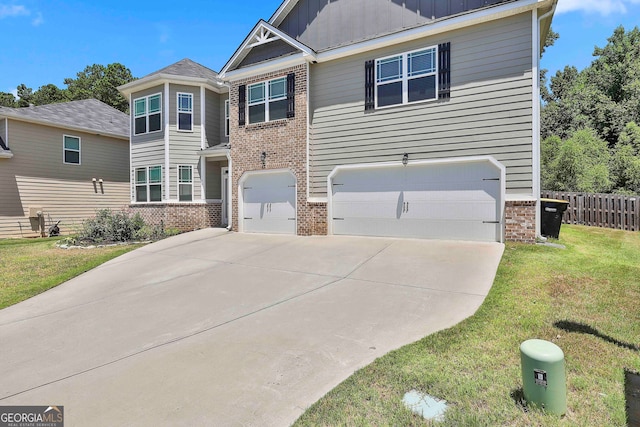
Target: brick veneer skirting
(183, 216)
(520, 221)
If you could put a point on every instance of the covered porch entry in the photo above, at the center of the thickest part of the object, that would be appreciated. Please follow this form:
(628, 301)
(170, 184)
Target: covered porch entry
(216, 183)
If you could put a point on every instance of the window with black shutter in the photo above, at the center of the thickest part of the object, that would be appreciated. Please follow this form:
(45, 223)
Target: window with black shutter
(369, 85)
(242, 101)
(410, 77)
(291, 95)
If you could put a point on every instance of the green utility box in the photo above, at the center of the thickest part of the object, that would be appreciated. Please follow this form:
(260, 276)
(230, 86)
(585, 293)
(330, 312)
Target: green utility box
(543, 376)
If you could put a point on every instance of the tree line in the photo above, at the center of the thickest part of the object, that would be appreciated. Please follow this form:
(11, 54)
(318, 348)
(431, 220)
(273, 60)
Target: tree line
(590, 121)
(95, 81)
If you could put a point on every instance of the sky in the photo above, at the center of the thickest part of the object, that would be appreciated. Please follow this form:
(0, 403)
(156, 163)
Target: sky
(45, 41)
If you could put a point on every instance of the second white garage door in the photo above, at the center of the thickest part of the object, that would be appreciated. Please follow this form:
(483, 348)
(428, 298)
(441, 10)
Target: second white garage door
(269, 202)
(438, 200)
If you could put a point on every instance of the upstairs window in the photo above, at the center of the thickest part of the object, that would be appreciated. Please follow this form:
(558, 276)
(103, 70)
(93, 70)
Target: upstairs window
(268, 100)
(71, 150)
(185, 111)
(147, 114)
(407, 78)
(185, 183)
(148, 184)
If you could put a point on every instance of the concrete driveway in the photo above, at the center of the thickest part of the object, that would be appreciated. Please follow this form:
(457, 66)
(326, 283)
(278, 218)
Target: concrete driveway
(218, 328)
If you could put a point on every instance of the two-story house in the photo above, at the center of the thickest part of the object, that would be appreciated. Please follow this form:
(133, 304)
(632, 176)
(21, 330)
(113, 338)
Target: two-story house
(179, 146)
(61, 162)
(377, 118)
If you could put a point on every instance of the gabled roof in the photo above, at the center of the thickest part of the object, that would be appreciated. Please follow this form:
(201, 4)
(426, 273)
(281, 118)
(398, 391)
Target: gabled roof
(88, 115)
(183, 71)
(261, 34)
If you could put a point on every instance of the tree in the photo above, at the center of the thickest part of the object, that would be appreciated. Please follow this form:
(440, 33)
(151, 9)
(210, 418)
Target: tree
(49, 94)
(100, 82)
(7, 100)
(580, 163)
(25, 95)
(605, 96)
(625, 163)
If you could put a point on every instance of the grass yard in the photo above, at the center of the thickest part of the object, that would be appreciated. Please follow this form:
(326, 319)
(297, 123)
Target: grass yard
(586, 299)
(31, 266)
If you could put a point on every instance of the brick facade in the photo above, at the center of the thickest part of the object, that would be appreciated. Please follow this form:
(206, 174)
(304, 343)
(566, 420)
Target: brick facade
(285, 143)
(520, 221)
(183, 216)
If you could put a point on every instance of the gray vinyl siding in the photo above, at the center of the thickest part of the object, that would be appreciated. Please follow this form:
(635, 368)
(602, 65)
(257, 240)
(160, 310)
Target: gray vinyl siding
(267, 51)
(489, 113)
(323, 24)
(214, 179)
(223, 138)
(215, 118)
(153, 136)
(184, 146)
(36, 177)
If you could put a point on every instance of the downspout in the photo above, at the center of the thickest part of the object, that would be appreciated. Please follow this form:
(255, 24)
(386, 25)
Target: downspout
(537, 20)
(230, 168)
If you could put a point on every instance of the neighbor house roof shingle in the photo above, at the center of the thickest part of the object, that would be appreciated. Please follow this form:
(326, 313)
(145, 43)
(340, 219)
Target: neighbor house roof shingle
(89, 115)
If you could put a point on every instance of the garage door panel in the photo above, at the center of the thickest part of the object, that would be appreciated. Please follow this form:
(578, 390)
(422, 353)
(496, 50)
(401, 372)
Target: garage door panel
(269, 203)
(441, 201)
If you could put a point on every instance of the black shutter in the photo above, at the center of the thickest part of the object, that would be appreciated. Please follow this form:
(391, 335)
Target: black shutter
(291, 95)
(242, 107)
(369, 85)
(444, 74)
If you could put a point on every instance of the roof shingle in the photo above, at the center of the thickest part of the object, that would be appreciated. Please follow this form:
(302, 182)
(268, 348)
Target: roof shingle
(88, 114)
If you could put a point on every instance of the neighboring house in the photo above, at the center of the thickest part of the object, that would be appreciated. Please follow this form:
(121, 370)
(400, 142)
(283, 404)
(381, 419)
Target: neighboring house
(179, 146)
(412, 119)
(61, 162)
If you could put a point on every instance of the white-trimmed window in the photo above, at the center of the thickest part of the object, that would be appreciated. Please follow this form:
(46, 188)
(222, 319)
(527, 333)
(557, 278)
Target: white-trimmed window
(267, 100)
(148, 184)
(185, 183)
(407, 78)
(147, 114)
(226, 118)
(71, 150)
(185, 111)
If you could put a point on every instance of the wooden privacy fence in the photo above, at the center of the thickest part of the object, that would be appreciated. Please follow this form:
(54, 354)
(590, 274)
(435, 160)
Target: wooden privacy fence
(600, 210)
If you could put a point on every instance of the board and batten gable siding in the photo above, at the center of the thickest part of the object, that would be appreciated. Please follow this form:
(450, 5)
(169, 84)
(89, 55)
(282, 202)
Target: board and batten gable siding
(489, 113)
(323, 24)
(184, 145)
(267, 51)
(37, 177)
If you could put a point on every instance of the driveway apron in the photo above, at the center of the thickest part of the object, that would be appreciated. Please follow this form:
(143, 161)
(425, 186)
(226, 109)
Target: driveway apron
(219, 328)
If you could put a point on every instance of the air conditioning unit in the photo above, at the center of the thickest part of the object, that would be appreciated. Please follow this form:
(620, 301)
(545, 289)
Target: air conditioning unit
(35, 212)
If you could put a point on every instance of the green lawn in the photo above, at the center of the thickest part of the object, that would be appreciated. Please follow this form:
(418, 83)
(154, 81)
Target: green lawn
(31, 266)
(586, 299)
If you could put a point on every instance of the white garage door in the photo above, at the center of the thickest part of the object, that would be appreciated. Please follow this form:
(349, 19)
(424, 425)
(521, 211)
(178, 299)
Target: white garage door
(269, 203)
(455, 200)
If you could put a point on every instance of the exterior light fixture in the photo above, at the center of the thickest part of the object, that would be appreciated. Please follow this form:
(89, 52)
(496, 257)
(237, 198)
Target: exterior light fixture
(263, 159)
(93, 179)
(405, 159)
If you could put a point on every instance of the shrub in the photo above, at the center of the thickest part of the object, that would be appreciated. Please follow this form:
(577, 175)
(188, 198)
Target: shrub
(110, 226)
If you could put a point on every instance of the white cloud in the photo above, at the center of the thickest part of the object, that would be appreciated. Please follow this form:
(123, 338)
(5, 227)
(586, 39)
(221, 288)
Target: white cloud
(38, 20)
(14, 92)
(11, 10)
(602, 7)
